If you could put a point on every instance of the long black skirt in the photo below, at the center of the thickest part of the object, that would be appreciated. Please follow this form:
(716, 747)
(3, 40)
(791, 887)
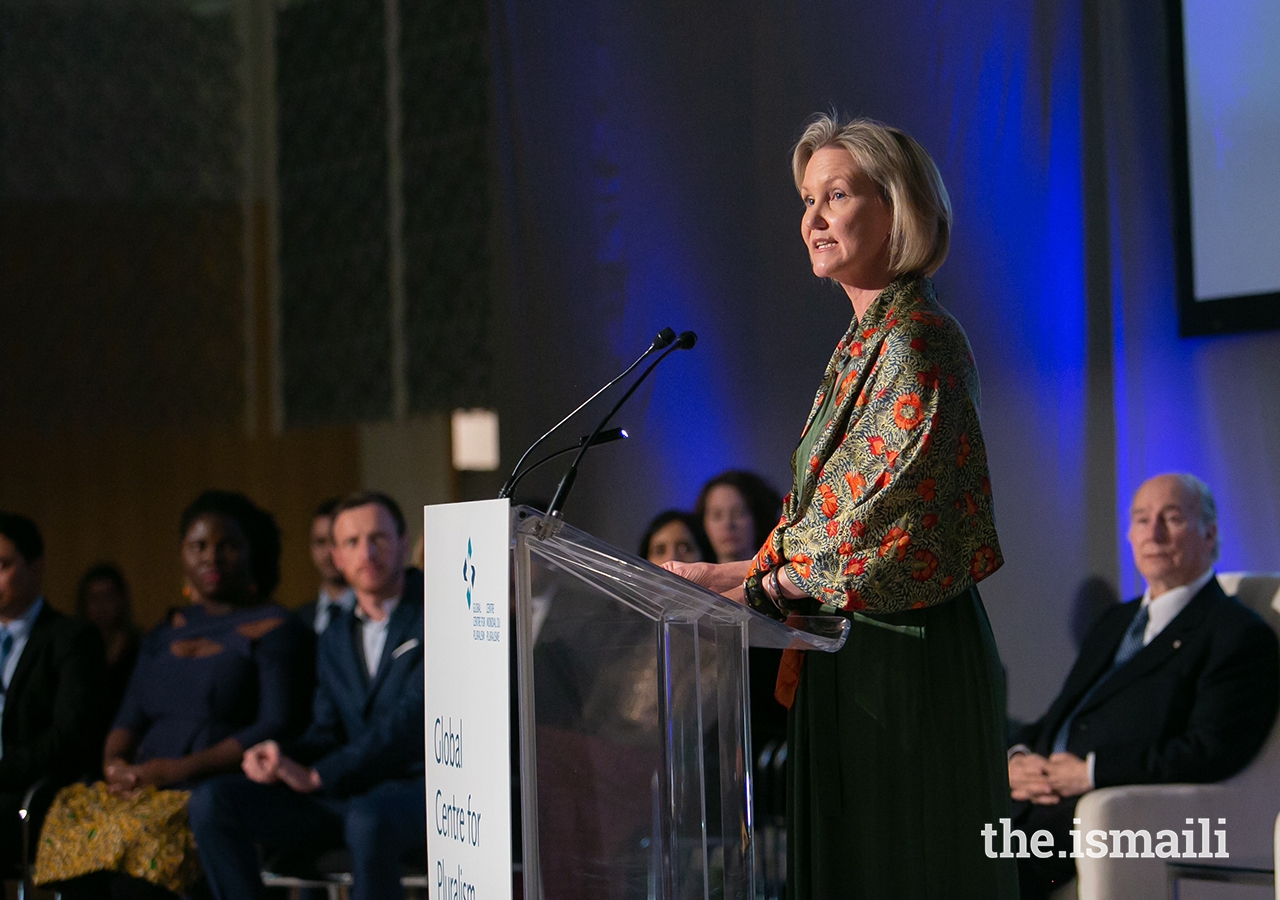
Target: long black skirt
(897, 761)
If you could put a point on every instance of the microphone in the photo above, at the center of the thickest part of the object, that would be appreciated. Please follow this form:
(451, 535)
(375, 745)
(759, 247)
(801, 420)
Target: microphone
(661, 340)
(684, 341)
(605, 437)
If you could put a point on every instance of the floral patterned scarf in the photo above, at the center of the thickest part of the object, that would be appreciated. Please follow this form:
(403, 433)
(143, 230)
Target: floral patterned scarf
(892, 507)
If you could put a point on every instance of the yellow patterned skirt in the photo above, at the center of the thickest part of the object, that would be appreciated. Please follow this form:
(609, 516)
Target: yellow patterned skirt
(145, 835)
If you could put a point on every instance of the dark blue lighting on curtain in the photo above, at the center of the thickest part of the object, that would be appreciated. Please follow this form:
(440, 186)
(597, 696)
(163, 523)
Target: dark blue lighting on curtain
(646, 145)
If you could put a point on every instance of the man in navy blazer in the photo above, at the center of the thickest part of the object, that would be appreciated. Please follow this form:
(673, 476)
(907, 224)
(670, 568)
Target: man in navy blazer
(1181, 685)
(356, 777)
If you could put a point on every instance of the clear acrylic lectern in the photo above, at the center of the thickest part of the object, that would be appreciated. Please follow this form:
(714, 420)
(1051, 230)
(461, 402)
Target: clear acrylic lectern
(634, 729)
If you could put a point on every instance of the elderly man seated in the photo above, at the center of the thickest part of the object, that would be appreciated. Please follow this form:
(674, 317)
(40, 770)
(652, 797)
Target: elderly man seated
(1179, 685)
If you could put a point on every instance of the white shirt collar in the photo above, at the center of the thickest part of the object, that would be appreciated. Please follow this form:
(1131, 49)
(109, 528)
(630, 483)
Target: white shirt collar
(1164, 609)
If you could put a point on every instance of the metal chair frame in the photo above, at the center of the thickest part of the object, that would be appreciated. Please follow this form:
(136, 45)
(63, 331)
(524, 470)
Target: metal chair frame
(336, 884)
(29, 813)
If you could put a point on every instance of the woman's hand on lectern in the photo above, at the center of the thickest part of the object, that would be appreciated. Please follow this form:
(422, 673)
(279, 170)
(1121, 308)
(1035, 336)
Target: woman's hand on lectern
(723, 578)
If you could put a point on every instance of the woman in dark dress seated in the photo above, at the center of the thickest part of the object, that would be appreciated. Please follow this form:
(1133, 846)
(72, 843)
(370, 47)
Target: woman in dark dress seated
(218, 675)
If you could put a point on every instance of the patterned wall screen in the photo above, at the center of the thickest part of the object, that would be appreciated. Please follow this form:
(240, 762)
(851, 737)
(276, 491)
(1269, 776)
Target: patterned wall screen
(120, 228)
(338, 241)
(446, 170)
(123, 191)
(334, 312)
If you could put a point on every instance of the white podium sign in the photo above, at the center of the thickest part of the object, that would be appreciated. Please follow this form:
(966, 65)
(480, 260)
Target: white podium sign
(467, 590)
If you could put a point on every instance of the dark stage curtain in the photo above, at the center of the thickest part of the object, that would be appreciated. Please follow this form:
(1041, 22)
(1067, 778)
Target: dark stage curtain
(642, 179)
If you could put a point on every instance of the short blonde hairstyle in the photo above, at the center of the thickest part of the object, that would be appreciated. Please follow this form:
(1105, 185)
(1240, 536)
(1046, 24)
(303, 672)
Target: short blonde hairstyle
(908, 181)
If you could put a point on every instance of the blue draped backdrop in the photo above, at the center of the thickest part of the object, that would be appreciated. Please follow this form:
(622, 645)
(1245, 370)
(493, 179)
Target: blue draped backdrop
(641, 179)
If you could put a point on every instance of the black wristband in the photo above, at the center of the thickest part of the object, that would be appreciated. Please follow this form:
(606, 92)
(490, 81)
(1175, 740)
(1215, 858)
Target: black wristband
(758, 600)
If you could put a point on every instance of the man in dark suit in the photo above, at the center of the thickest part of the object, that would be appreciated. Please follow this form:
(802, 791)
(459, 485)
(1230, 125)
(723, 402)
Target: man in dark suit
(1180, 685)
(51, 667)
(356, 777)
(334, 596)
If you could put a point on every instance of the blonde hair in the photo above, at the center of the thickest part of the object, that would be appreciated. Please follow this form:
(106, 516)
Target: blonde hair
(907, 179)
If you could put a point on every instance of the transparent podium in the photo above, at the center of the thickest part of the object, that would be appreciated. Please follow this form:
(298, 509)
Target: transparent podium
(633, 720)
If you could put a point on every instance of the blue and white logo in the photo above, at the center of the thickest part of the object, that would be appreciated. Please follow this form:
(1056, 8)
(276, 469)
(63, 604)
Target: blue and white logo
(469, 574)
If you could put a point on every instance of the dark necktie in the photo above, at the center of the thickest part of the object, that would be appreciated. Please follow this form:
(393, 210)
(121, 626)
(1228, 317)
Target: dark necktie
(1130, 644)
(326, 615)
(6, 646)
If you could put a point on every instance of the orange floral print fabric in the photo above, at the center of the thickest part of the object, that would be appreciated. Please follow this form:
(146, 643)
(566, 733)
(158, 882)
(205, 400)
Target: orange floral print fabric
(145, 835)
(893, 509)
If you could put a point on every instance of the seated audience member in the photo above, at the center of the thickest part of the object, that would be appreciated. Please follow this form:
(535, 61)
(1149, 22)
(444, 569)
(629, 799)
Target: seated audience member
(50, 671)
(674, 535)
(214, 678)
(103, 600)
(355, 778)
(334, 596)
(738, 511)
(1179, 685)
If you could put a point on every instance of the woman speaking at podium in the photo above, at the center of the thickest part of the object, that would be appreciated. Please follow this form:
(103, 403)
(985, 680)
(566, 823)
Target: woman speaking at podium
(896, 742)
